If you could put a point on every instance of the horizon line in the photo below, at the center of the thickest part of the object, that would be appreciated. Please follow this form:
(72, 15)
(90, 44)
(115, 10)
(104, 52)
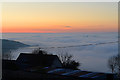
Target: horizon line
(62, 32)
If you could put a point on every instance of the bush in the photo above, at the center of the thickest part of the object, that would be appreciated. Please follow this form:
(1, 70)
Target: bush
(68, 62)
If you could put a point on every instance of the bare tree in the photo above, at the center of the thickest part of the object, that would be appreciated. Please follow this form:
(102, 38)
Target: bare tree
(65, 57)
(39, 51)
(118, 65)
(114, 64)
(67, 61)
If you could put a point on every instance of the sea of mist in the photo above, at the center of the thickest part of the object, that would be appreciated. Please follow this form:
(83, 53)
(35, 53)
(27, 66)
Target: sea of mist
(92, 50)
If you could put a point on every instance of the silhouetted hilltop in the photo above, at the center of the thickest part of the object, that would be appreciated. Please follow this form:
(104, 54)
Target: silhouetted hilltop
(8, 45)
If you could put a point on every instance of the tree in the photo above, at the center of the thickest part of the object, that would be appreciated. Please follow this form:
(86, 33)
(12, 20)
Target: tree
(39, 51)
(67, 61)
(114, 64)
(118, 64)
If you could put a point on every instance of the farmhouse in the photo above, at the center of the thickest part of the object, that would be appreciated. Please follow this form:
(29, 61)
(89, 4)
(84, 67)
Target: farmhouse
(30, 60)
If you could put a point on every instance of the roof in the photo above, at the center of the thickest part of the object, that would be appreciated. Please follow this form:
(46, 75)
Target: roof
(37, 59)
(75, 73)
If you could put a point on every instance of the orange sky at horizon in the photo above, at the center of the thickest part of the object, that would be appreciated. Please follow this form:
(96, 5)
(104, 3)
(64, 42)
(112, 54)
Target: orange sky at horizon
(59, 17)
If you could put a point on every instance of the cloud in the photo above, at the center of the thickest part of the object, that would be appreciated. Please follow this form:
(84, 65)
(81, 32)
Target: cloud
(68, 26)
(90, 56)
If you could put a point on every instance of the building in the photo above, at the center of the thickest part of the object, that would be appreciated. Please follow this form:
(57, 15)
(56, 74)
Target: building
(76, 74)
(9, 65)
(31, 60)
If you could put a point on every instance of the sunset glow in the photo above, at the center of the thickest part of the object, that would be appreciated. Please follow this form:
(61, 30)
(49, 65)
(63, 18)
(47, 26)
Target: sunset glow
(59, 17)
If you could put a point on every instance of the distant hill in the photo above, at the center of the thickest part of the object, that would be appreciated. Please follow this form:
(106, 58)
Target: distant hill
(8, 45)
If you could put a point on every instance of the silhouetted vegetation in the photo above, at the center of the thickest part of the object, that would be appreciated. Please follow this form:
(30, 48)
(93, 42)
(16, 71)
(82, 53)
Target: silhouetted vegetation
(66, 59)
(39, 51)
(68, 62)
(114, 64)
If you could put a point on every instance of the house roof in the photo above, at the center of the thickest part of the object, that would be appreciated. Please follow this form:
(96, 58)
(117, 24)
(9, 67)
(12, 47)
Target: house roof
(37, 59)
(75, 73)
(78, 73)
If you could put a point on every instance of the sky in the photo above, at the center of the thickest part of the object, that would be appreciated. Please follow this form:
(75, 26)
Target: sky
(59, 17)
